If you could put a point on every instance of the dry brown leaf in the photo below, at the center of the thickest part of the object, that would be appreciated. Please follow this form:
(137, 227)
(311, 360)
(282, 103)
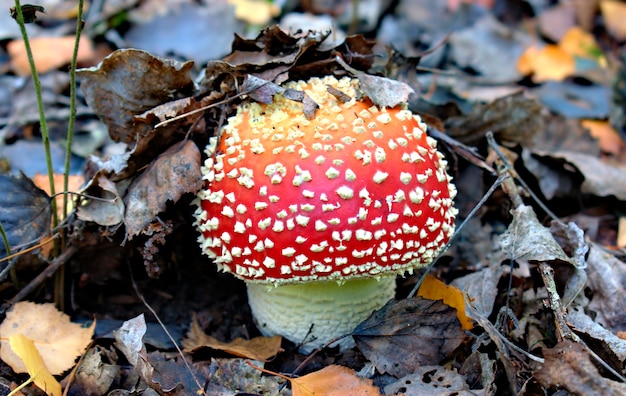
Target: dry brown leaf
(49, 53)
(614, 14)
(610, 140)
(259, 348)
(171, 174)
(407, 334)
(569, 366)
(434, 289)
(333, 380)
(58, 340)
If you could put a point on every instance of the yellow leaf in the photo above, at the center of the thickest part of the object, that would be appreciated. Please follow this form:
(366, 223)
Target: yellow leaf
(58, 340)
(333, 380)
(39, 373)
(547, 63)
(434, 289)
(255, 12)
(614, 14)
(577, 42)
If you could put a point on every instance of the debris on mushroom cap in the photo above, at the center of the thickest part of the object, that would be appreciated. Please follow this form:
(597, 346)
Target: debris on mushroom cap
(356, 191)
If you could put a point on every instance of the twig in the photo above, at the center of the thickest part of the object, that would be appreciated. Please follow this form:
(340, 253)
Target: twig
(46, 273)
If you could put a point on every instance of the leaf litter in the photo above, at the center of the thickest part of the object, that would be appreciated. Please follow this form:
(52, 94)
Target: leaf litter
(544, 309)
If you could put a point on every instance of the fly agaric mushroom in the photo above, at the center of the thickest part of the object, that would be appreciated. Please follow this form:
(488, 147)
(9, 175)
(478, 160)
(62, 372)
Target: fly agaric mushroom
(318, 215)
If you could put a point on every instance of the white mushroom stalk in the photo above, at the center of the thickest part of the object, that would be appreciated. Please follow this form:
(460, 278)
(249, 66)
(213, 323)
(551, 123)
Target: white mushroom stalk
(319, 215)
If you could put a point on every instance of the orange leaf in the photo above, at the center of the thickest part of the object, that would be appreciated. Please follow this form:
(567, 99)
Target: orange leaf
(547, 63)
(259, 348)
(333, 380)
(39, 373)
(49, 53)
(73, 185)
(434, 289)
(610, 140)
(577, 42)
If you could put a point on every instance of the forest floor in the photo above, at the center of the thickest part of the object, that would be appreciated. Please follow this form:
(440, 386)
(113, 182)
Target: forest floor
(113, 296)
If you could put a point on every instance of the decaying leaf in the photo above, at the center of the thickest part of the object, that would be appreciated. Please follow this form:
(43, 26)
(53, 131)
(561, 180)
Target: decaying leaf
(39, 373)
(173, 173)
(602, 177)
(407, 334)
(568, 365)
(607, 281)
(129, 82)
(515, 117)
(434, 289)
(333, 380)
(106, 211)
(231, 376)
(129, 340)
(481, 288)
(94, 376)
(430, 380)
(58, 340)
(259, 348)
(25, 211)
(526, 239)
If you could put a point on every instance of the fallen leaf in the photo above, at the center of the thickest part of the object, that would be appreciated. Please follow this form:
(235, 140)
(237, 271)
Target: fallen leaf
(258, 348)
(579, 43)
(481, 288)
(94, 376)
(610, 140)
(179, 25)
(129, 82)
(129, 340)
(58, 340)
(526, 239)
(434, 289)
(108, 209)
(603, 177)
(25, 211)
(333, 380)
(39, 373)
(548, 63)
(430, 380)
(407, 334)
(255, 12)
(74, 184)
(614, 14)
(607, 281)
(492, 40)
(573, 100)
(568, 365)
(49, 53)
(606, 343)
(173, 173)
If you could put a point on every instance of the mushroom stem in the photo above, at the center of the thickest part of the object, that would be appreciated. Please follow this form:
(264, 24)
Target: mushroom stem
(326, 308)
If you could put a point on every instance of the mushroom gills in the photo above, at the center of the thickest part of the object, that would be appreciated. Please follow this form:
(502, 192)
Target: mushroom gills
(325, 308)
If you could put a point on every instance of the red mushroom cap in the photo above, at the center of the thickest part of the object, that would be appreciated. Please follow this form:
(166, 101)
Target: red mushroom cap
(357, 191)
